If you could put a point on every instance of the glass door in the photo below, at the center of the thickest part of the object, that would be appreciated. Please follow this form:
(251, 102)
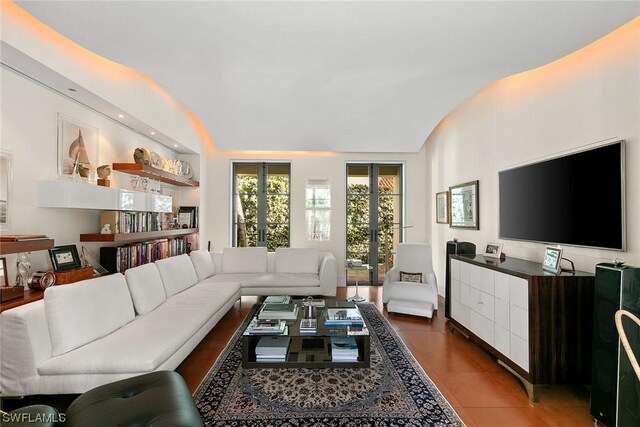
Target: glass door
(374, 217)
(261, 202)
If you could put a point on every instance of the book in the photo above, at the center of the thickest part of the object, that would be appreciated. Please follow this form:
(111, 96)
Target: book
(354, 263)
(344, 349)
(273, 326)
(278, 311)
(308, 326)
(343, 316)
(273, 346)
(278, 299)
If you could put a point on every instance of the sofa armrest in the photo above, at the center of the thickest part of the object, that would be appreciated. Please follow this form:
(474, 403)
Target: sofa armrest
(24, 344)
(393, 275)
(328, 275)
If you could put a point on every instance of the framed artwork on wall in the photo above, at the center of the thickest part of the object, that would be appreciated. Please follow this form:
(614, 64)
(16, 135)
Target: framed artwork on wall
(463, 205)
(442, 207)
(77, 150)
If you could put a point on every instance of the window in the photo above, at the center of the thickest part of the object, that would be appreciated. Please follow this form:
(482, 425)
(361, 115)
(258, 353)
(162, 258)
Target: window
(261, 205)
(318, 209)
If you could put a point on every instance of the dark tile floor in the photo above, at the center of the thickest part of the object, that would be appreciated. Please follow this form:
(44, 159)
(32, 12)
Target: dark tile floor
(482, 392)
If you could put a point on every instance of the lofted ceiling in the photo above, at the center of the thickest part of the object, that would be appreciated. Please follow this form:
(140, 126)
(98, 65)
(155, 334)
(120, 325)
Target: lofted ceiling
(331, 76)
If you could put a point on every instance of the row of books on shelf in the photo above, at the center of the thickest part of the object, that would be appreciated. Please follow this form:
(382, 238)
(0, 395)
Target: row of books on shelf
(276, 348)
(131, 222)
(118, 259)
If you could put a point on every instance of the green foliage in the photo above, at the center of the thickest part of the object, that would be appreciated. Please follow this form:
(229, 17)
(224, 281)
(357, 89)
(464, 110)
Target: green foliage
(277, 211)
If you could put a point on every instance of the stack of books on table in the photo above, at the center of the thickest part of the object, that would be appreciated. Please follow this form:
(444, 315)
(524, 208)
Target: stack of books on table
(272, 349)
(343, 317)
(278, 311)
(354, 263)
(344, 349)
(278, 299)
(308, 326)
(268, 327)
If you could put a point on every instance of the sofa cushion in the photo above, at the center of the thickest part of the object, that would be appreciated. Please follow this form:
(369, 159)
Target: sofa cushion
(146, 343)
(82, 312)
(145, 285)
(297, 260)
(244, 260)
(268, 280)
(203, 264)
(177, 274)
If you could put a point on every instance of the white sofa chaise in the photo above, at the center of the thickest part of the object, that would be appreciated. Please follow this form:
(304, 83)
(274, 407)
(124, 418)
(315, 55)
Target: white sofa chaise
(106, 329)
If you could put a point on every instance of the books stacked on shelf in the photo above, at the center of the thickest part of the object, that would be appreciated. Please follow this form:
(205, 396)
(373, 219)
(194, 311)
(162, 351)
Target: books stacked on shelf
(344, 349)
(278, 299)
(268, 327)
(278, 311)
(118, 259)
(272, 349)
(343, 317)
(131, 222)
(308, 326)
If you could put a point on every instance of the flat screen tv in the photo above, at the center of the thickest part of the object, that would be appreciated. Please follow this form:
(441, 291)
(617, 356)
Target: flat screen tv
(575, 200)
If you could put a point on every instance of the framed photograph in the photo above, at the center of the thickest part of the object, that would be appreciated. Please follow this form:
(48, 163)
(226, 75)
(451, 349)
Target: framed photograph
(64, 258)
(77, 150)
(493, 250)
(463, 205)
(188, 215)
(4, 279)
(442, 207)
(552, 257)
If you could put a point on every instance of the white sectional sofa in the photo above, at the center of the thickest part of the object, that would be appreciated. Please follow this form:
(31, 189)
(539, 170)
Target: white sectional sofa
(114, 327)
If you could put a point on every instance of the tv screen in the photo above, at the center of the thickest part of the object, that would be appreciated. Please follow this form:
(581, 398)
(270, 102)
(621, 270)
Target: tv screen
(576, 200)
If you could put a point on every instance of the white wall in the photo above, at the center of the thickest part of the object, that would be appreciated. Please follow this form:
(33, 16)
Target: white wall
(28, 129)
(304, 166)
(589, 96)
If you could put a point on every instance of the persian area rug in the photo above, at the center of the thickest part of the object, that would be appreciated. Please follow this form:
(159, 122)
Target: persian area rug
(394, 391)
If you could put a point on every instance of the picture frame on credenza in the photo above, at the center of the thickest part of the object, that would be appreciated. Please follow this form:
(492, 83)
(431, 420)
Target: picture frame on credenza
(64, 258)
(552, 258)
(493, 250)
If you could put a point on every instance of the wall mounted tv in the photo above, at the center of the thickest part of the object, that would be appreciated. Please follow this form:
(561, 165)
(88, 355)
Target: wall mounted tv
(575, 200)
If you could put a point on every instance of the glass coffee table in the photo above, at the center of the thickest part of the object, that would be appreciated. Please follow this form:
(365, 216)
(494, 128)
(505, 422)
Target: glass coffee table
(309, 350)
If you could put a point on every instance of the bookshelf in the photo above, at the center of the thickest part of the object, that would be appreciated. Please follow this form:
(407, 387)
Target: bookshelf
(134, 237)
(154, 173)
(25, 246)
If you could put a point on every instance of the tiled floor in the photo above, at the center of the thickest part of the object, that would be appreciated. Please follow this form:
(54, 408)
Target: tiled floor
(482, 392)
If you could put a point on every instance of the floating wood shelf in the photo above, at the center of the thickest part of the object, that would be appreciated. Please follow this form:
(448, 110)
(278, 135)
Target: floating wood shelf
(30, 295)
(135, 237)
(153, 173)
(25, 246)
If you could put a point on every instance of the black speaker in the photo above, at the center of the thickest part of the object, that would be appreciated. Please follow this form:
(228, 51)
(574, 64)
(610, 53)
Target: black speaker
(615, 389)
(454, 248)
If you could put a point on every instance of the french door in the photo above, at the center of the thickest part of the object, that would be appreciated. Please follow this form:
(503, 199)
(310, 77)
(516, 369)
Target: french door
(374, 217)
(261, 200)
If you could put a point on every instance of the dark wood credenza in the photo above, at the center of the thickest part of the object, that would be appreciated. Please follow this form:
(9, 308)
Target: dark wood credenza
(538, 325)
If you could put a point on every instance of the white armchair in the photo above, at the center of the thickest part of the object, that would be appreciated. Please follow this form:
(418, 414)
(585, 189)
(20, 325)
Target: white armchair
(420, 299)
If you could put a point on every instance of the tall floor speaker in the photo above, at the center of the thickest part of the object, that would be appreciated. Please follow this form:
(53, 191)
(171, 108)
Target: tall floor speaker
(454, 248)
(615, 388)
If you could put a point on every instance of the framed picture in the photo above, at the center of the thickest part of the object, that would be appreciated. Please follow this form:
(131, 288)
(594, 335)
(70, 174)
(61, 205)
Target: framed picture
(463, 205)
(77, 149)
(442, 207)
(493, 250)
(552, 257)
(4, 279)
(64, 258)
(188, 215)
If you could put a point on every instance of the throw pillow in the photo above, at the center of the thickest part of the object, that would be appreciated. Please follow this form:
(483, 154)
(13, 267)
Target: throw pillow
(410, 277)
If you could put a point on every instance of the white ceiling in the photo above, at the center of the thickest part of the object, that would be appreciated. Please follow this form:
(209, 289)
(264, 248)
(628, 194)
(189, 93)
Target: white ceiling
(339, 76)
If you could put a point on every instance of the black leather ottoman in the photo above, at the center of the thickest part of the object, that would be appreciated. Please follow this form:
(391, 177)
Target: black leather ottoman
(156, 399)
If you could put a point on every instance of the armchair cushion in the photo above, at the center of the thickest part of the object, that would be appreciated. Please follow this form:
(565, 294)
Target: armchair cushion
(410, 277)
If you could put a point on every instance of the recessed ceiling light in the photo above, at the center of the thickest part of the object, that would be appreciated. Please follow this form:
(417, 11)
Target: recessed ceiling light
(175, 145)
(153, 133)
(121, 116)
